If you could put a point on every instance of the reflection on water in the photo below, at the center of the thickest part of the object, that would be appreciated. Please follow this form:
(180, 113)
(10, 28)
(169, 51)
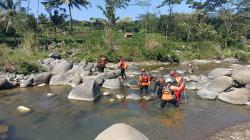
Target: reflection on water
(58, 118)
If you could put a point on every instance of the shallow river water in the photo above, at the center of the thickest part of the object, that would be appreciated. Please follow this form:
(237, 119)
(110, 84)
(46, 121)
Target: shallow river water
(58, 118)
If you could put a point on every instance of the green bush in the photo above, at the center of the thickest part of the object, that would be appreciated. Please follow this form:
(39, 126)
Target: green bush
(241, 55)
(27, 68)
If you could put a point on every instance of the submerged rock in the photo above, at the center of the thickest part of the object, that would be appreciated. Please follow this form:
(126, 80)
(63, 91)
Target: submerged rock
(112, 83)
(50, 95)
(236, 96)
(106, 93)
(5, 84)
(218, 72)
(4, 130)
(121, 131)
(23, 109)
(120, 96)
(87, 91)
(133, 96)
(147, 98)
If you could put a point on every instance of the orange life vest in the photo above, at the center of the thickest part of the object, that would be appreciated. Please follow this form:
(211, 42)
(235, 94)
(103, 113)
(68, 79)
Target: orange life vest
(144, 80)
(166, 94)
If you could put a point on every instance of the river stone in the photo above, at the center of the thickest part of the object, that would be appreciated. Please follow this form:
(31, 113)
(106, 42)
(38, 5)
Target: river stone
(62, 67)
(47, 61)
(147, 98)
(238, 132)
(5, 84)
(42, 78)
(26, 83)
(231, 60)
(237, 96)
(112, 74)
(133, 96)
(87, 91)
(242, 76)
(214, 87)
(218, 72)
(121, 131)
(61, 79)
(106, 93)
(120, 96)
(55, 55)
(112, 84)
(203, 79)
(23, 109)
(50, 95)
(193, 86)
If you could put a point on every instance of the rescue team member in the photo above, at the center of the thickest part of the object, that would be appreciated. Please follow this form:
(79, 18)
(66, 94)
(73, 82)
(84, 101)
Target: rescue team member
(101, 63)
(144, 81)
(180, 85)
(123, 66)
(168, 95)
(158, 82)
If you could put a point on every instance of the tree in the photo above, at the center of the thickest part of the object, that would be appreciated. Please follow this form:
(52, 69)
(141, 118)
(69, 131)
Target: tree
(145, 4)
(109, 10)
(170, 4)
(70, 4)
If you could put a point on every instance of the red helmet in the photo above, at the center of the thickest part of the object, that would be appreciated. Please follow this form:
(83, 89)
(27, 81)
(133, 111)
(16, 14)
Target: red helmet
(172, 73)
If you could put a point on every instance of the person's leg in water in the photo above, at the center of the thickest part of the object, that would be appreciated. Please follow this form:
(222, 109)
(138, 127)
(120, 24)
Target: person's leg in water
(146, 90)
(157, 84)
(159, 92)
(141, 90)
(174, 102)
(163, 103)
(123, 75)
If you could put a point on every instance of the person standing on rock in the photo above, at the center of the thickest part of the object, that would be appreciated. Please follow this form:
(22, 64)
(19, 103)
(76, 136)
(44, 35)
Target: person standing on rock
(180, 85)
(123, 66)
(144, 81)
(101, 63)
(189, 68)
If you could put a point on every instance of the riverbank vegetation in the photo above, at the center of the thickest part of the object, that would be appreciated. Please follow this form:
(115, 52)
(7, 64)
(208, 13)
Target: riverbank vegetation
(216, 29)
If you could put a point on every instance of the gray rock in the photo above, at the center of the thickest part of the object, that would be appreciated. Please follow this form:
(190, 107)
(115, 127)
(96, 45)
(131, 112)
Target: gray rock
(120, 96)
(193, 86)
(231, 60)
(5, 84)
(203, 79)
(133, 96)
(112, 74)
(23, 109)
(62, 67)
(214, 87)
(55, 55)
(121, 131)
(112, 84)
(218, 72)
(242, 75)
(83, 63)
(236, 96)
(26, 83)
(47, 61)
(87, 91)
(61, 79)
(42, 78)
(106, 93)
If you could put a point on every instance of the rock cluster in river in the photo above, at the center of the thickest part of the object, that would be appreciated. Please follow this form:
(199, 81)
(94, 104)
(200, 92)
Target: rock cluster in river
(228, 85)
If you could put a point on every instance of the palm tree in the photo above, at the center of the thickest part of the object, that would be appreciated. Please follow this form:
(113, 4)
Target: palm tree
(8, 7)
(77, 4)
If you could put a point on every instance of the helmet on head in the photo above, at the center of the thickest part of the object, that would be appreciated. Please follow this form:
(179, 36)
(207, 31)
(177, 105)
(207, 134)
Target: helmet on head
(172, 73)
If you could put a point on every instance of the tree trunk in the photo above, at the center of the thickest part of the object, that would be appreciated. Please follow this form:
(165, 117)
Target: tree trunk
(71, 20)
(188, 36)
(37, 13)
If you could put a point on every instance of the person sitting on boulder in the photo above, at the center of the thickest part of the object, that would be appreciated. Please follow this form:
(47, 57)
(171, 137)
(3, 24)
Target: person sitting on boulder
(168, 95)
(144, 81)
(180, 85)
(123, 66)
(101, 63)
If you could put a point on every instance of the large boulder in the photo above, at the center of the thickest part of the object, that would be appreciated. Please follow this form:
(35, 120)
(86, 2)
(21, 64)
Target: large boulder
(193, 86)
(214, 87)
(87, 91)
(236, 96)
(203, 79)
(62, 67)
(26, 83)
(42, 78)
(62, 79)
(121, 131)
(218, 72)
(112, 74)
(241, 75)
(5, 84)
(112, 83)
